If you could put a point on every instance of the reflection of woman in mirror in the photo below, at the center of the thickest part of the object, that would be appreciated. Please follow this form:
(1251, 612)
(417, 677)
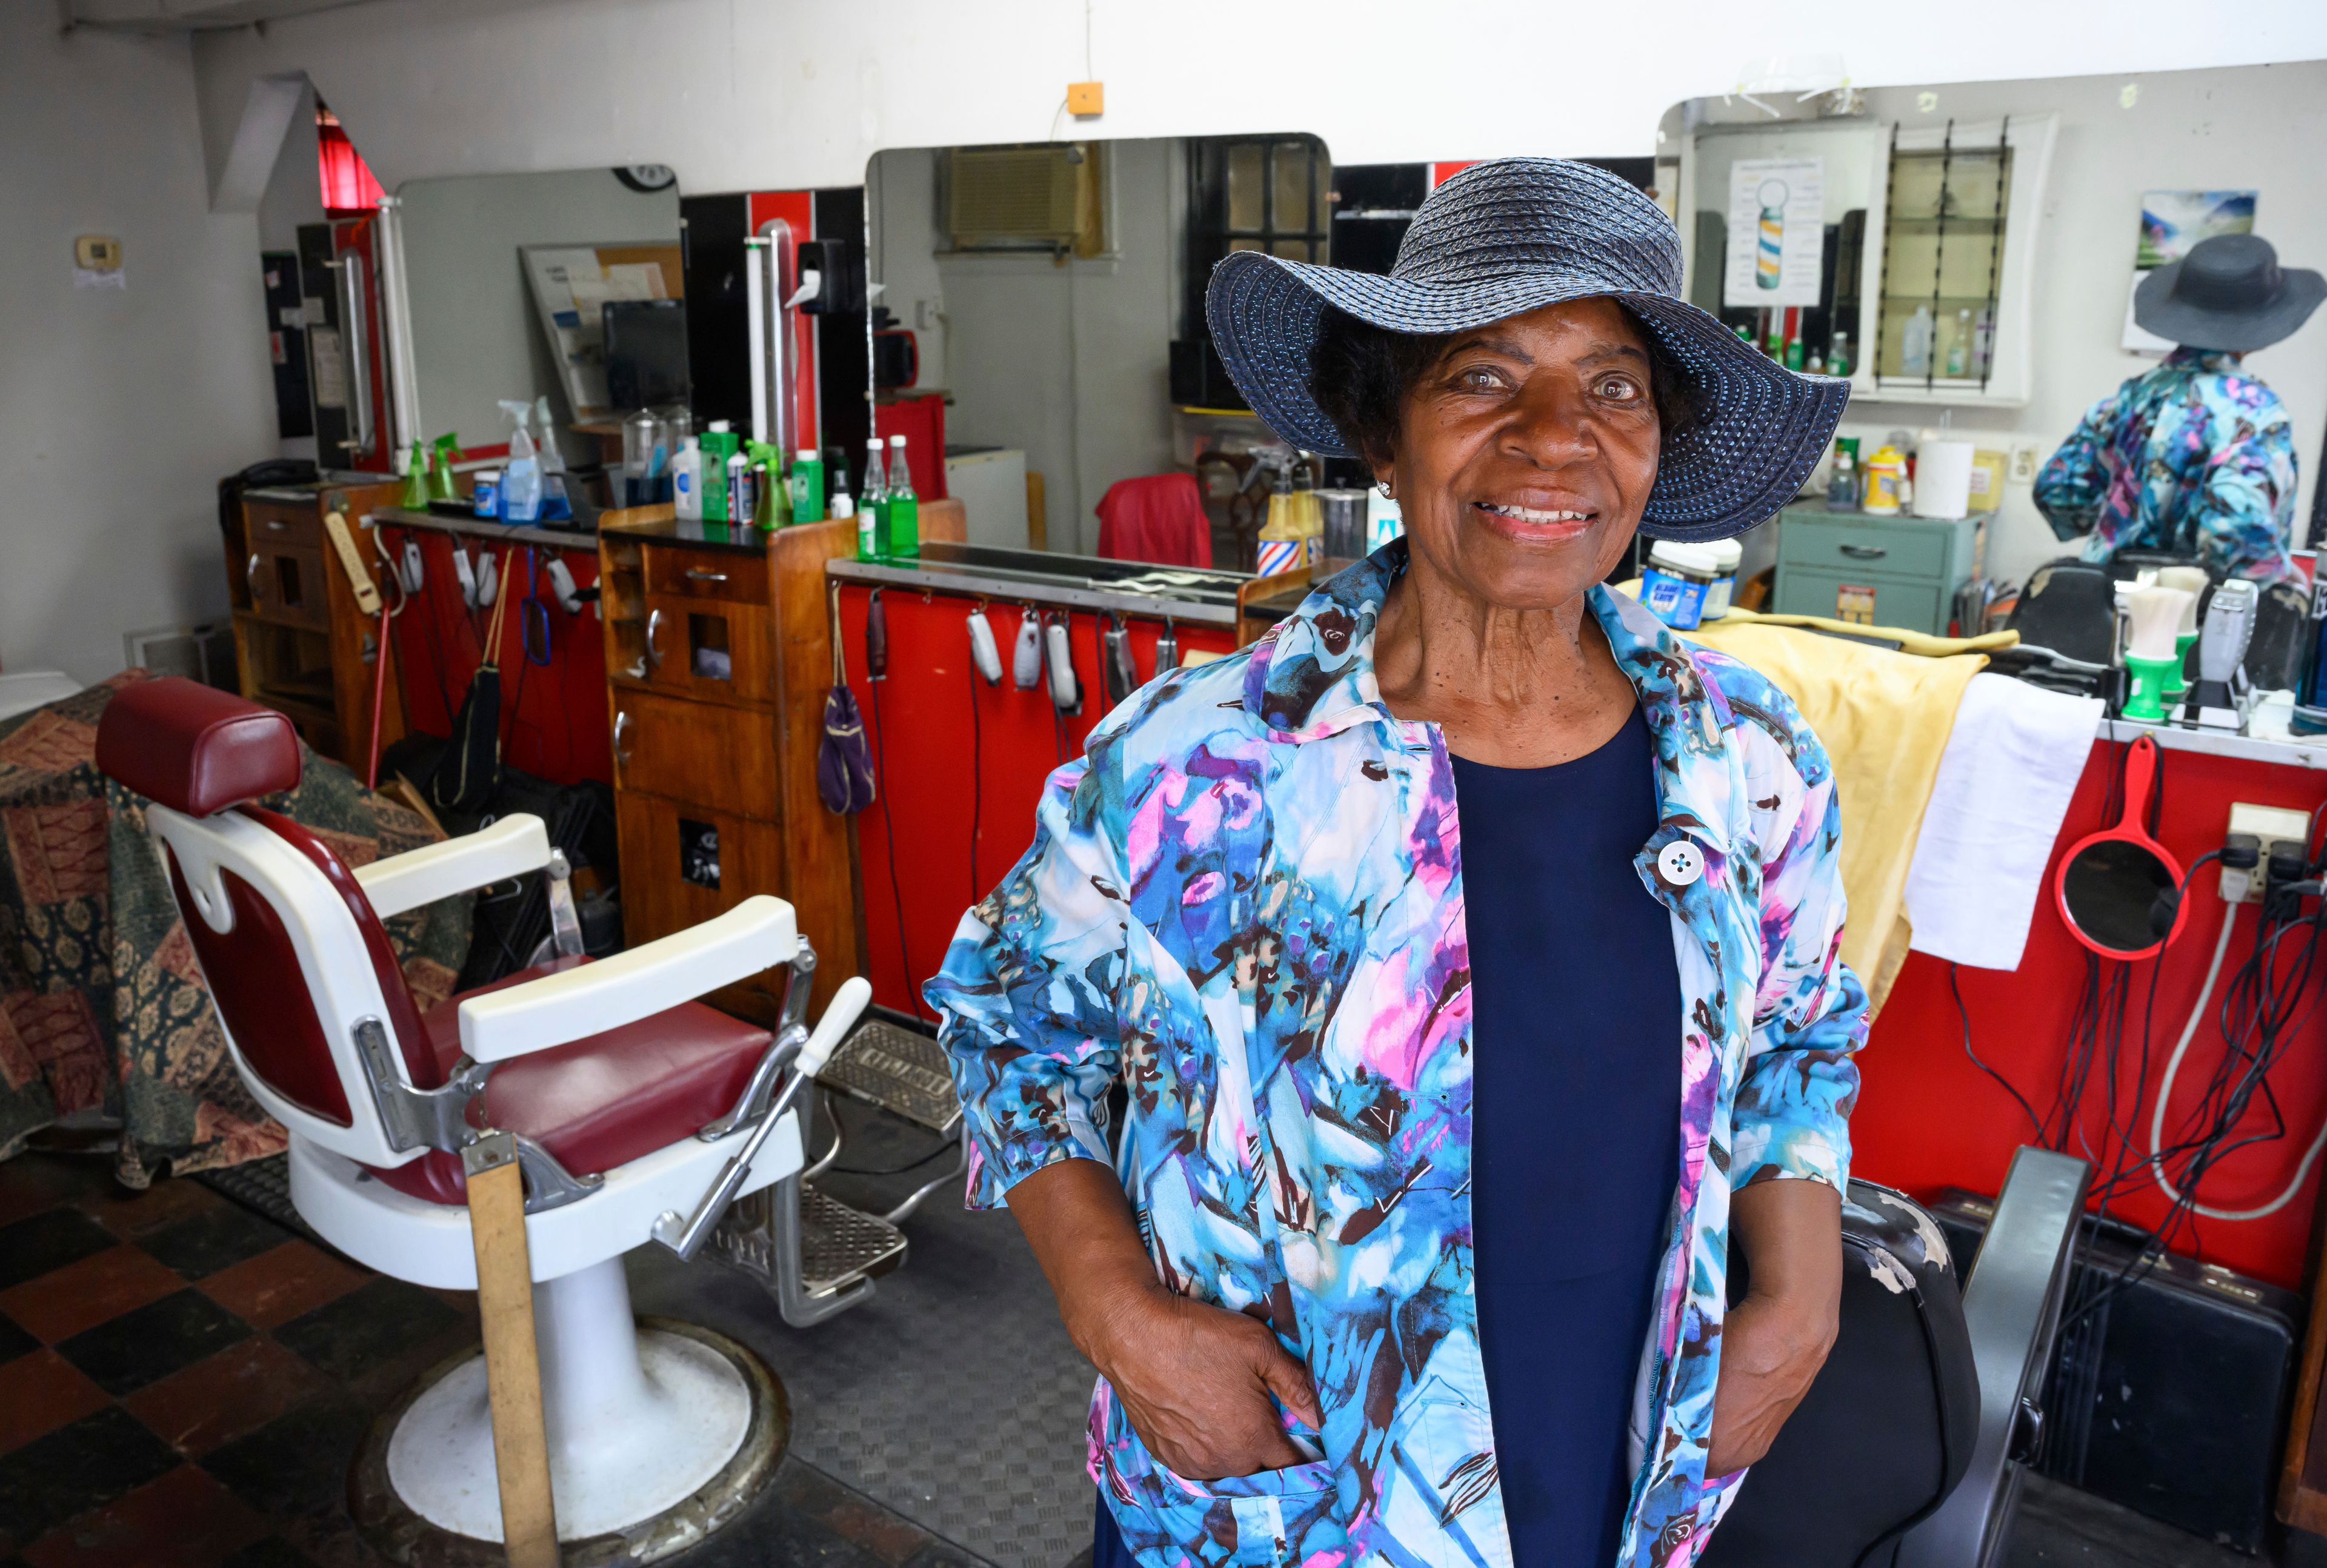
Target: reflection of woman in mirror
(2195, 456)
(1466, 950)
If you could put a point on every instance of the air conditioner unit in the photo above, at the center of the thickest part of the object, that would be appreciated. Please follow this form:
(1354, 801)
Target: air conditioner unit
(1019, 197)
(203, 653)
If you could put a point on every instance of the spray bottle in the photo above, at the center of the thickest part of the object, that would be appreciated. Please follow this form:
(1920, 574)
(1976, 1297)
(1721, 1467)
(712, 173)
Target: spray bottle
(521, 479)
(556, 506)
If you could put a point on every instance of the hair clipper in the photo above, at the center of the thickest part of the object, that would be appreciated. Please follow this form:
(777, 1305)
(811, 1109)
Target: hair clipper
(876, 638)
(982, 651)
(1116, 665)
(1026, 657)
(1066, 692)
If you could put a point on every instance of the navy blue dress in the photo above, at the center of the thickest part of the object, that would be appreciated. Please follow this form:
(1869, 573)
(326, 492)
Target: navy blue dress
(1576, 1131)
(1576, 1127)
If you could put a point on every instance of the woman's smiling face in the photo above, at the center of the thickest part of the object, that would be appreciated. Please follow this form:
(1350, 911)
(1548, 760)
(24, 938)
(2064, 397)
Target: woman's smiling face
(1526, 452)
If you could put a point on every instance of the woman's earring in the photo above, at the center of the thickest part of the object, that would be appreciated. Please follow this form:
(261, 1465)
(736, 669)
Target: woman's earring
(1383, 486)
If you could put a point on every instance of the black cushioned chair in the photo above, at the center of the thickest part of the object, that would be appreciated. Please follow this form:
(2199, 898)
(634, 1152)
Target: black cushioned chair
(1907, 1452)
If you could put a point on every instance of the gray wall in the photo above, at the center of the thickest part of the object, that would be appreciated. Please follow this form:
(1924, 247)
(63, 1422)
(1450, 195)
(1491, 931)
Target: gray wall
(120, 410)
(1069, 361)
(476, 337)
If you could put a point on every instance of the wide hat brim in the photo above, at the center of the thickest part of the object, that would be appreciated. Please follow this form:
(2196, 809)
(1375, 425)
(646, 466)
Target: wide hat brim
(2156, 309)
(1761, 430)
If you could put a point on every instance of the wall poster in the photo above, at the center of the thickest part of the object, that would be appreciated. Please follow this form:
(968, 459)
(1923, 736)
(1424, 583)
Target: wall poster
(1777, 233)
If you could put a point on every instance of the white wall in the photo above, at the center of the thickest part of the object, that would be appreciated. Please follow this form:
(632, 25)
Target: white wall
(118, 411)
(476, 336)
(800, 93)
(1070, 362)
(2262, 128)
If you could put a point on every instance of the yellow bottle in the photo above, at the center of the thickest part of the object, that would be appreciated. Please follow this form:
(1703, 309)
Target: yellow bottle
(1886, 481)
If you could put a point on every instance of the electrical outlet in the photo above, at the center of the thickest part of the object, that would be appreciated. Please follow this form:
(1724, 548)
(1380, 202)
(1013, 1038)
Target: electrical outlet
(927, 313)
(2023, 463)
(2271, 825)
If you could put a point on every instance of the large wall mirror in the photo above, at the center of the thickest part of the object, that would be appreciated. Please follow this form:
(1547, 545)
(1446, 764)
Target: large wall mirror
(1967, 252)
(1053, 295)
(568, 286)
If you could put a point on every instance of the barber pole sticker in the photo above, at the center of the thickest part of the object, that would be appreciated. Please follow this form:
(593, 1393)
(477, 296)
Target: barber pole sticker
(1853, 604)
(1279, 556)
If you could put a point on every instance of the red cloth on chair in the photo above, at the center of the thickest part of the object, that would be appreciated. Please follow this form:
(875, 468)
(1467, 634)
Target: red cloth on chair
(1159, 519)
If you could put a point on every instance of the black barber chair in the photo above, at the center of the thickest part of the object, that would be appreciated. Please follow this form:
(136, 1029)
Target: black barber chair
(1907, 1452)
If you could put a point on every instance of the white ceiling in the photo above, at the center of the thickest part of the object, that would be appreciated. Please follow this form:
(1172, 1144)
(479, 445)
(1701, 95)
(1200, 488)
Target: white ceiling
(186, 15)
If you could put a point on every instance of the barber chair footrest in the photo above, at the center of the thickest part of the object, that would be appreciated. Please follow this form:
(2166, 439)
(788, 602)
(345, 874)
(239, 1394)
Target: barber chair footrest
(840, 1245)
(810, 1251)
(898, 1069)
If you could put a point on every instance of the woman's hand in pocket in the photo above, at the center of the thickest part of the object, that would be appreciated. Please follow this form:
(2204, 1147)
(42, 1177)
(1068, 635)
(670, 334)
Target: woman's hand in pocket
(1194, 1379)
(1196, 1382)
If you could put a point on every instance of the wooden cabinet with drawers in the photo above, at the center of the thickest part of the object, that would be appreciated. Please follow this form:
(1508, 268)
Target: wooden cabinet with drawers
(1878, 571)
(718, 658)
(302, 644)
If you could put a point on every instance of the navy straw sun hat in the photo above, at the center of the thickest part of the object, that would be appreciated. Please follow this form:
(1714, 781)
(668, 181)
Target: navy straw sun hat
(1502, 238)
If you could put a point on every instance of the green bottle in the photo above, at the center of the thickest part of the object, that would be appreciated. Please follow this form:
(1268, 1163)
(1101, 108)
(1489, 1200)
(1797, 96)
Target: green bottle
(903, 506)
(415, 498)
(719, 443)
(807, 486)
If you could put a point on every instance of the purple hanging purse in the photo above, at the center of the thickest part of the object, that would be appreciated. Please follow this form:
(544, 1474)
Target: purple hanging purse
(844, 764)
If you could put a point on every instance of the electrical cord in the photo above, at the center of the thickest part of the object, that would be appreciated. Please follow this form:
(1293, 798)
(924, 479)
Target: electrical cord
(1964, 1012)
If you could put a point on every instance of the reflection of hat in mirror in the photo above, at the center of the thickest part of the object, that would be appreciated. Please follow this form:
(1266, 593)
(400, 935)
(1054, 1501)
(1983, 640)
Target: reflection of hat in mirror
(2230, 294)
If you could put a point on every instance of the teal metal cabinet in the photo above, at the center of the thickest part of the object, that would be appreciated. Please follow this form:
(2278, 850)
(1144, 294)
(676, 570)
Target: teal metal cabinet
(1880, 571)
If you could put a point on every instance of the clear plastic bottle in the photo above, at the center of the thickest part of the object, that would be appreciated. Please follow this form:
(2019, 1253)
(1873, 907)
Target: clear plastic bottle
(903, 509)
(1915, 343)
(872, 511)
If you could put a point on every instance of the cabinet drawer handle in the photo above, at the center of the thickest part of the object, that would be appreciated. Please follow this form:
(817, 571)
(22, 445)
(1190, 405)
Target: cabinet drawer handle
(251, 574)
(698, 575)
(654, 649)
(621, 723)
(1865, 551)
(277, 524)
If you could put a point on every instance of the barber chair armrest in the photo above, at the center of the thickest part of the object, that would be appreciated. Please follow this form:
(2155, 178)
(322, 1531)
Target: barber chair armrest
(755, 934)
(2012, 1306)
(511, 846)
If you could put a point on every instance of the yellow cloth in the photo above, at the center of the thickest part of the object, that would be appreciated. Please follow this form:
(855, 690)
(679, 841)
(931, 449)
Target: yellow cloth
(1916, 642)
(1884, 718)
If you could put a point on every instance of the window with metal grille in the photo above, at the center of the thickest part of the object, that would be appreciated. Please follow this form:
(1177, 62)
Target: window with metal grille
(1270, 194)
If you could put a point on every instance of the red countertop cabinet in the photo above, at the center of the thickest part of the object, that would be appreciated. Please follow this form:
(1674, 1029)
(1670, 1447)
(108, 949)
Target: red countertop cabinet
(960, 765)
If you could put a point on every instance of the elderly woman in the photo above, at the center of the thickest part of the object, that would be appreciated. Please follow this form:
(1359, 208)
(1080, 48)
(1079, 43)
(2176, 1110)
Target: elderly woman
(1465, 948)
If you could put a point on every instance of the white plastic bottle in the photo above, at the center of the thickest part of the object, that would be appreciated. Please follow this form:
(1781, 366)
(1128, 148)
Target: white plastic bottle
(687, 483)
(1915, 343)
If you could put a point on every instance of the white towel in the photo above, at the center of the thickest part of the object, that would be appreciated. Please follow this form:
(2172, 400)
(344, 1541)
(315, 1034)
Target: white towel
(2002, 791)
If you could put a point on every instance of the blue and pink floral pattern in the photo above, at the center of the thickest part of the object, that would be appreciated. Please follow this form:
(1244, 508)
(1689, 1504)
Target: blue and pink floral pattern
(1245, 903)
(2195, 456)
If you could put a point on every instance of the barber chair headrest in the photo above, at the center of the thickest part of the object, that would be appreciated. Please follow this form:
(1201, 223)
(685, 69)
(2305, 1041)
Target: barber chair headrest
(195, 749)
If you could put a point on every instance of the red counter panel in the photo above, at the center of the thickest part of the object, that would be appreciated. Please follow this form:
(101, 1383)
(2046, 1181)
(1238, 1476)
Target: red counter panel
(959, 766)
(553, 715)
(1928, 1118)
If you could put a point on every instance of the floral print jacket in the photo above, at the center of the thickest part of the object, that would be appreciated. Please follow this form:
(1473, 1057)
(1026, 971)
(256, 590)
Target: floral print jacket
(1245, 904)
(2195, 455)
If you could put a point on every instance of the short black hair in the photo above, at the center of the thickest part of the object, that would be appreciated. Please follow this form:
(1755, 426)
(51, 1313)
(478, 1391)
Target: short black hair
(1359, 374)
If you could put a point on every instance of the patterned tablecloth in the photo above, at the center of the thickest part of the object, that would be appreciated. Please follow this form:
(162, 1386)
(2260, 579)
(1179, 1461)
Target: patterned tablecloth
(102, 1007)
